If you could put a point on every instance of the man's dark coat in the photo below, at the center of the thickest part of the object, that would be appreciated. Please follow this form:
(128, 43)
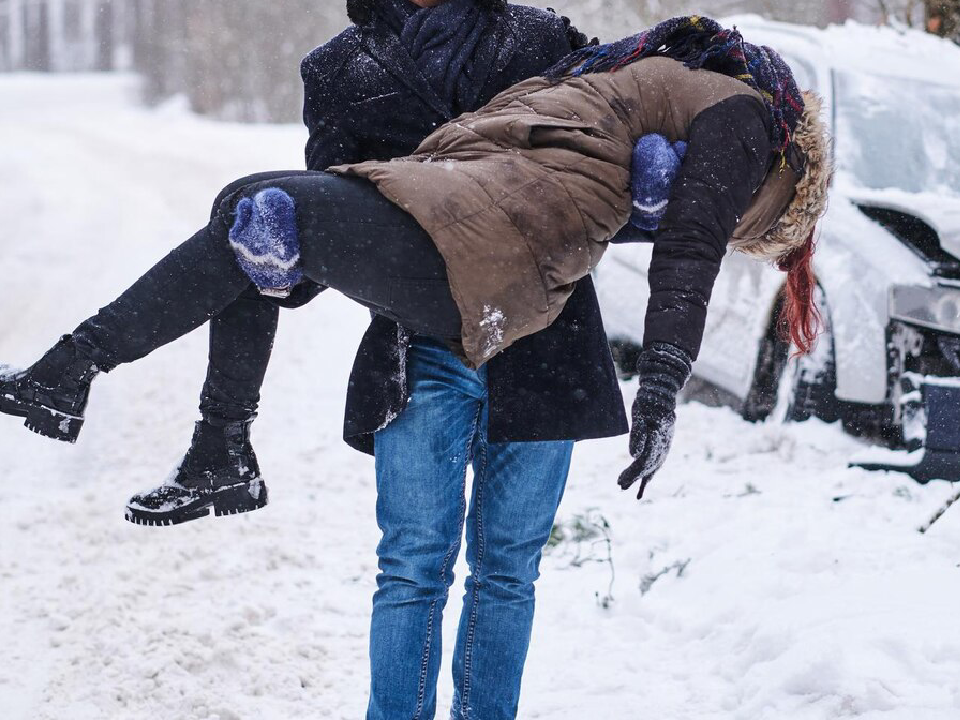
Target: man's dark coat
(365, 99)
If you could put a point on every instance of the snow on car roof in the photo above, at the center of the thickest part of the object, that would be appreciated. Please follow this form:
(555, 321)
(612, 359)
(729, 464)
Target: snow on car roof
(897, 52)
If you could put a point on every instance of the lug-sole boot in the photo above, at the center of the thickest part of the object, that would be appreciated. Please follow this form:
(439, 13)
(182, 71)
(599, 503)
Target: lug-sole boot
(219, 472)
(52, 394)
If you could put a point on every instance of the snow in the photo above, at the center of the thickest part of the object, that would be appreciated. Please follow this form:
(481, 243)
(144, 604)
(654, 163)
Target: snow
(760, 579)
(491, 325)
(894, 52)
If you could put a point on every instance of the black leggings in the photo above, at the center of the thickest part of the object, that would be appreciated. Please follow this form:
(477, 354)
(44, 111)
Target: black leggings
(352, 239)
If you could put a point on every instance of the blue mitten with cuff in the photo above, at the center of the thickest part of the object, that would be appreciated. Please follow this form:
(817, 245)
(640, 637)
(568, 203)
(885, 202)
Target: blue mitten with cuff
(265, 240)
(656, 162)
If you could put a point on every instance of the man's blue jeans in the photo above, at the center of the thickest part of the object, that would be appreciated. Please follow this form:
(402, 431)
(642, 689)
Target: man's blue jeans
(422, 460)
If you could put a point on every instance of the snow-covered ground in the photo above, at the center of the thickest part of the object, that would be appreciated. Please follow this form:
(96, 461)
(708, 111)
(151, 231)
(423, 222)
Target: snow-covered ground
(806, 591)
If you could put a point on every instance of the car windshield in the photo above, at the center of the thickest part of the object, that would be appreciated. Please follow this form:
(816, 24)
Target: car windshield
(896, 133)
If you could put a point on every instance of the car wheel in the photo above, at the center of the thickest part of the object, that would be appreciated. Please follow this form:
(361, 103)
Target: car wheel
(795, 388)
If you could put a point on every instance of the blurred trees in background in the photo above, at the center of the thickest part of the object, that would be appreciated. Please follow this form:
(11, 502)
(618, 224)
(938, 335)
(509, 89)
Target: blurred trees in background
(239, 59)
(943, 18)
(236, 59)
(940, 17)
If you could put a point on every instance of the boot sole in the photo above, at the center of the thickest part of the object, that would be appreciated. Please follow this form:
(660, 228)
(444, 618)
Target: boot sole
(43, 420)
(231, 501)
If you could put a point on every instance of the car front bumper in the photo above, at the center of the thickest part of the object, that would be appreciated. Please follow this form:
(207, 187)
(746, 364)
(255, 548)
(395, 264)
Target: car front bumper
(939, 414)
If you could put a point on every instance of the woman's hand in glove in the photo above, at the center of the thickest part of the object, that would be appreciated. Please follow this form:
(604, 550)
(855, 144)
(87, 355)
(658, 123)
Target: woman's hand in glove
(664, 370)
(649, 444)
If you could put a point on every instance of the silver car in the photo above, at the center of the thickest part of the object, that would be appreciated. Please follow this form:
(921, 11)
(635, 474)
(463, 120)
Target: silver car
(888, 260)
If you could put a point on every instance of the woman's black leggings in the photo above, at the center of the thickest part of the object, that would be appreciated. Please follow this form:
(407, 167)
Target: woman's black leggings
(352, 239)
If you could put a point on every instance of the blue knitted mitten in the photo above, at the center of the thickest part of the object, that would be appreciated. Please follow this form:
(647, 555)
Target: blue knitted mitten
(656, 162)
(264, 238)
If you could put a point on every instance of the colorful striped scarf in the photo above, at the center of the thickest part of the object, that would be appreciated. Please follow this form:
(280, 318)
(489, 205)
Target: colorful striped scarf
(700, 42)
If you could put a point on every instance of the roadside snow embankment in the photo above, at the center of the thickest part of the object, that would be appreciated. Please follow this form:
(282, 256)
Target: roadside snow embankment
(762, 580)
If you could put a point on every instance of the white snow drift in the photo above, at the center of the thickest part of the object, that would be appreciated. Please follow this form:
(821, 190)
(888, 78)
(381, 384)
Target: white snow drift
(762, 578)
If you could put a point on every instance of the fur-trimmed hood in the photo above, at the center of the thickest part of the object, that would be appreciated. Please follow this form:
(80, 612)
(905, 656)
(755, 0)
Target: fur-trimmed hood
(793, 198)
(360, 12)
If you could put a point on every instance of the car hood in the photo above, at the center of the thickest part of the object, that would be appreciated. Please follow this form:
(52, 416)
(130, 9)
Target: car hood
(941, 212)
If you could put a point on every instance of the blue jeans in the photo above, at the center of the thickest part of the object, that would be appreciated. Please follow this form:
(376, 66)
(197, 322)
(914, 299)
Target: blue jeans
(422, 460)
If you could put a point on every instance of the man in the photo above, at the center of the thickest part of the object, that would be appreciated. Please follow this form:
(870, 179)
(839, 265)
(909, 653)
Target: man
(375, 92)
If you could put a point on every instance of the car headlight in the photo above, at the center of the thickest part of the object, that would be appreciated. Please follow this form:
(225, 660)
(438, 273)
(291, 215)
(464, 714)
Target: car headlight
(937, 308)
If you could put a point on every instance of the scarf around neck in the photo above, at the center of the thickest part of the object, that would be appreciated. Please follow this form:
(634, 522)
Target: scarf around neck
(443, 42)
(700, 42)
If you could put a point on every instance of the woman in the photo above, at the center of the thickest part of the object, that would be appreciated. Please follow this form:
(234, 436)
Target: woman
(480, 237)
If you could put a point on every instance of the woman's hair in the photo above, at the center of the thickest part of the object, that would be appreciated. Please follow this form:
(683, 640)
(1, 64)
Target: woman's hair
(361, 11)
(800, 318)
(790, 243)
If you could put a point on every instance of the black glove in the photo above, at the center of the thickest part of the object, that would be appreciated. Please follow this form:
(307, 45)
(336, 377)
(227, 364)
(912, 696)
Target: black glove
(664, 370)
(576, 38)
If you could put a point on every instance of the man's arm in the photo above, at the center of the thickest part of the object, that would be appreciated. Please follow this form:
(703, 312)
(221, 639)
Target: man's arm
(330, 142)
(630, 234)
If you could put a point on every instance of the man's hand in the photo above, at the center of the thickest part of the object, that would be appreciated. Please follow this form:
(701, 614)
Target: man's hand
(664, 370)
(576, 38)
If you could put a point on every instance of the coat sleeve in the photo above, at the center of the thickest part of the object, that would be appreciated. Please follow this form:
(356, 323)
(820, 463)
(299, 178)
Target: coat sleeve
(543, 39)
(560, 40)
(728, 156)
(331, 141)
(630, 234)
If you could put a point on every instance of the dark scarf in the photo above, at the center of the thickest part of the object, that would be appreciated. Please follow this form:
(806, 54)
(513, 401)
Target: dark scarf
(700, 42)
(445, 43)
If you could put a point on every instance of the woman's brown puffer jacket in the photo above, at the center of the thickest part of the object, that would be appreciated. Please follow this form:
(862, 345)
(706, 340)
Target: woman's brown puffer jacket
(522, 196)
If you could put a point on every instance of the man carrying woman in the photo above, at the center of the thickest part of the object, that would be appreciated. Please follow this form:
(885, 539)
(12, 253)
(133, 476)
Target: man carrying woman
(477, 244)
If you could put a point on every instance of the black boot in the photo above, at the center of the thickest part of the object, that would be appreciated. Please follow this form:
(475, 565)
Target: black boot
(220, 470)
(52, 393)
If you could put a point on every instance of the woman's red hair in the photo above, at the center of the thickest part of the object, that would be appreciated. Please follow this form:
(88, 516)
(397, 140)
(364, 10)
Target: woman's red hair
(800, 317)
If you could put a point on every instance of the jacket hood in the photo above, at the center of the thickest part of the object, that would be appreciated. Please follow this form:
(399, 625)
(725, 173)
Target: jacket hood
(791, 203)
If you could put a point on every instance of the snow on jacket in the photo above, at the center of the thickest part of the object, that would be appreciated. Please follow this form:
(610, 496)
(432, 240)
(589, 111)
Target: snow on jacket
(523, 196)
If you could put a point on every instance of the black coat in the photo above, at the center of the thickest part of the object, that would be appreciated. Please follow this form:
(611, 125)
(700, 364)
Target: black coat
(366, 100)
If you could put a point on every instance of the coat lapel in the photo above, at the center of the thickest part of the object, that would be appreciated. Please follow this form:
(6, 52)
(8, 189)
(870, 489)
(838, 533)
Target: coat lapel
(386, 49)
(494, 54)
(505, 44)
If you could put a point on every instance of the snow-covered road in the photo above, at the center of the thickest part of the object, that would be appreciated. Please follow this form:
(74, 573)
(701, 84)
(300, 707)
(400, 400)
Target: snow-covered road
(805, 590)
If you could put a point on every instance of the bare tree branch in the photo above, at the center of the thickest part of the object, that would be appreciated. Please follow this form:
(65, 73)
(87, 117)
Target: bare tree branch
(940, 513)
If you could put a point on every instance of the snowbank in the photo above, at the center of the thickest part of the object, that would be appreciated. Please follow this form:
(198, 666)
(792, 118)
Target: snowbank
(805, 593)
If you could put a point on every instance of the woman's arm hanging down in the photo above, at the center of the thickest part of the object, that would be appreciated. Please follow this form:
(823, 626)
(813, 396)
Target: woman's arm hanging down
(728, 143)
